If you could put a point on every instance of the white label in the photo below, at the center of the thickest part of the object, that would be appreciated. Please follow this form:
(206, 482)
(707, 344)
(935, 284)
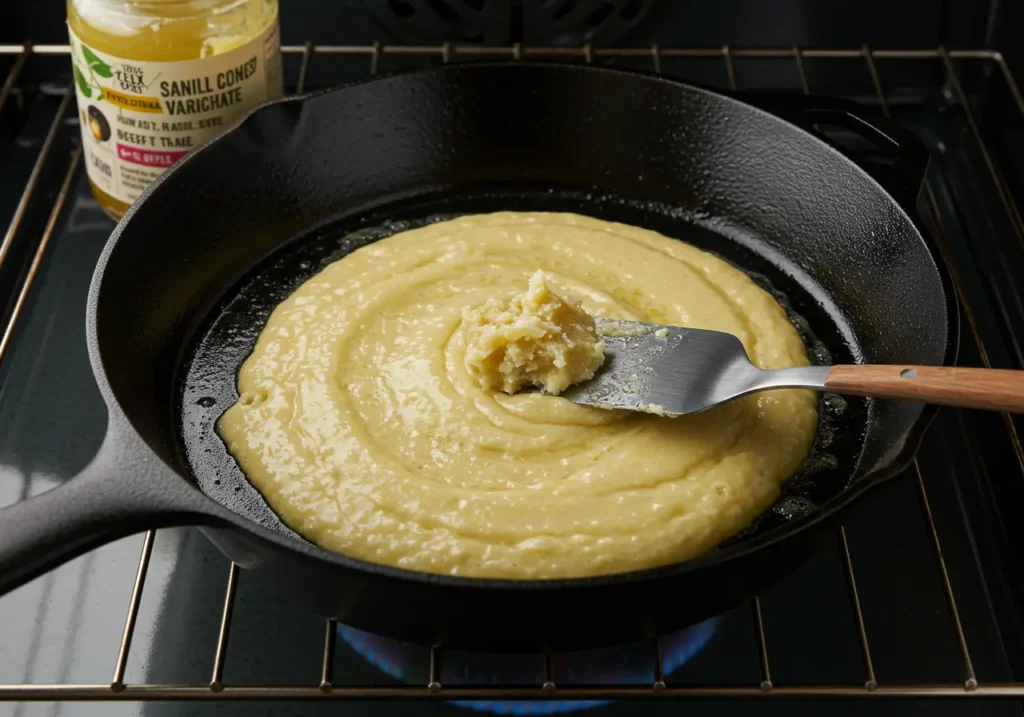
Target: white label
(138, 118)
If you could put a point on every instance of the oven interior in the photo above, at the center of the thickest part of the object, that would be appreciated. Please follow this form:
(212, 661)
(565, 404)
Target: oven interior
(914, 604)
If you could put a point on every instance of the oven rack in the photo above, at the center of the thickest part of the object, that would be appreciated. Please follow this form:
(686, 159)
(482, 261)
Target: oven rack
(322, 686)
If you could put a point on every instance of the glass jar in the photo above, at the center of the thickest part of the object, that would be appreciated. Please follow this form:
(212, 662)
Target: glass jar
(156, 78)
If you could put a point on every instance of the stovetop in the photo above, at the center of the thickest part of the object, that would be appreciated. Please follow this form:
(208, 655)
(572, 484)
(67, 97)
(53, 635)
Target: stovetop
(873, 608)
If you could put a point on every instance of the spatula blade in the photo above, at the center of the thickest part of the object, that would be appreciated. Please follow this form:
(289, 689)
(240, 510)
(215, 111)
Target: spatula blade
(665, 370)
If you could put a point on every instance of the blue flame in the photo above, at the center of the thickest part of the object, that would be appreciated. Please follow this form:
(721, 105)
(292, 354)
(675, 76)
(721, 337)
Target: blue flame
(521, 707)
(392, 658)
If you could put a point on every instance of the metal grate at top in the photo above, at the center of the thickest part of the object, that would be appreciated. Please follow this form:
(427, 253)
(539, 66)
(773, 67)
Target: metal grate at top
(322, 685)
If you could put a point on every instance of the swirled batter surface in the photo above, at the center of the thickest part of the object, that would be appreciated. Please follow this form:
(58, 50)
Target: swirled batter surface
(362, 427)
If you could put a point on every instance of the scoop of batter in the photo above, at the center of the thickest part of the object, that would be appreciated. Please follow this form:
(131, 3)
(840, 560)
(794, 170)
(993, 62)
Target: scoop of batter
(365, 430)
(536, 339)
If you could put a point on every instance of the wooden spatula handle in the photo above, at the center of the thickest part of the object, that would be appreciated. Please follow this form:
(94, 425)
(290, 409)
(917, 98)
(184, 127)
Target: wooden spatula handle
(986, 388)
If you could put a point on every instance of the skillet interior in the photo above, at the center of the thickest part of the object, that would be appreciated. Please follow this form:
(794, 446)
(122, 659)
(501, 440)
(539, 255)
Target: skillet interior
(471, 138)
(211, 369)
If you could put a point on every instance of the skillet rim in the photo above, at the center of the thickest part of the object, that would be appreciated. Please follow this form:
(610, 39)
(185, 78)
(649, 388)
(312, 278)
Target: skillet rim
(218, 513)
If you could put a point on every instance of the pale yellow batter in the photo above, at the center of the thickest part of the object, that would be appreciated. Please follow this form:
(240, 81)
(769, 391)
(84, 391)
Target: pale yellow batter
(361, 425)
(536, 338)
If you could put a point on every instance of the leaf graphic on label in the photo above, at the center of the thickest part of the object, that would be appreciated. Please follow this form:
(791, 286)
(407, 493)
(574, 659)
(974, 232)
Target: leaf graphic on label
(83, 85)
(98, 66)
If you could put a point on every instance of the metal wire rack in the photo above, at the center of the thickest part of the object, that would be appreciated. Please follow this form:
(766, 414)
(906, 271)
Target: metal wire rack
(322, 686)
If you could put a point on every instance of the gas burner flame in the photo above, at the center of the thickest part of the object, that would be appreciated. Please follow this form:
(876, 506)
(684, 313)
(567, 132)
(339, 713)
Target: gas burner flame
(622, 665)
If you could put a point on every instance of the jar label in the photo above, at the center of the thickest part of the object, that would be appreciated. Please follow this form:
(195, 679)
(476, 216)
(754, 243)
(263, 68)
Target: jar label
(138, 118)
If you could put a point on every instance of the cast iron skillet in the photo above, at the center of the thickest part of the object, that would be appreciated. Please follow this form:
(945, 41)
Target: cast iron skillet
(192, 271)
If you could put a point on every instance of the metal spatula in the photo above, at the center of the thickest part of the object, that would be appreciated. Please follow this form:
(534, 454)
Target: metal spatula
(673, 371)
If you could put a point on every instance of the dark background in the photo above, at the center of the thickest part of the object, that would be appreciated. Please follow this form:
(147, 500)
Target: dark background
(824, 23)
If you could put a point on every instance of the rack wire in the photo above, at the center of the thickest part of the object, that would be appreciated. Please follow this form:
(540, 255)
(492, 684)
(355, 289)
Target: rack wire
(322, 686)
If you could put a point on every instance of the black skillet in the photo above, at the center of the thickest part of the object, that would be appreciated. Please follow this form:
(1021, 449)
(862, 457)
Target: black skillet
(195, 267)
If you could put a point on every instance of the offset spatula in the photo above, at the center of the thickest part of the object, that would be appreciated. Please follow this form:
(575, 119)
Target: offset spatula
(673, 371)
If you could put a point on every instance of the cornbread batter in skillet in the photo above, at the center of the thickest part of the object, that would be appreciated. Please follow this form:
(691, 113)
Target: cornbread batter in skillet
(364, 428)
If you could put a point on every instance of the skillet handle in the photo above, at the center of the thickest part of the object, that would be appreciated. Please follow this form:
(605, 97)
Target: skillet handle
(120, 493)
(902, 172)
